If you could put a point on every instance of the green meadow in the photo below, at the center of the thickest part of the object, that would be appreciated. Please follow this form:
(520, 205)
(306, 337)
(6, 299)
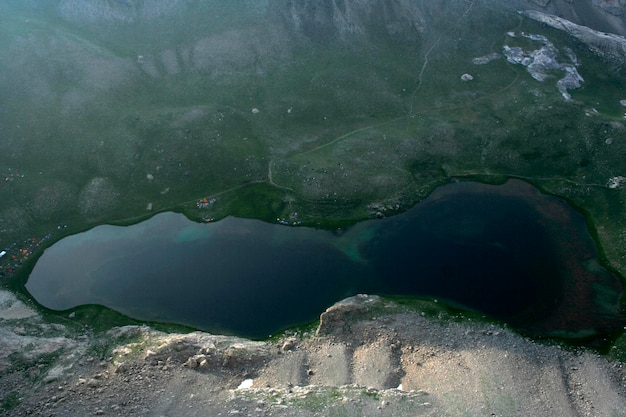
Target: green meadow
(112, 121)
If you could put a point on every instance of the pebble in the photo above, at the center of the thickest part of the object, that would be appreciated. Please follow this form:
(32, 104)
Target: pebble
(93, 383)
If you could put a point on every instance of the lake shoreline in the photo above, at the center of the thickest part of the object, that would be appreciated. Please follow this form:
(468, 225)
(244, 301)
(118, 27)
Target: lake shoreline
(364, 355)
(578, 282)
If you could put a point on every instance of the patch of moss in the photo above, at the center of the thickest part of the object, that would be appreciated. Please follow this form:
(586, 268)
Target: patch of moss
(10, 401)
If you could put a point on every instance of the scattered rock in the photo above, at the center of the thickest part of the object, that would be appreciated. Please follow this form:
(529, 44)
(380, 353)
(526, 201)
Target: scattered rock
(369, 357)
(541, 62)
(203, 364)
(53, 201)
(246, 384)
(192, 363)
(482, 60)
(289, 344)
(122, 368)
(607, 45)
(616, 182)
(98, 198)
(94, 383)
(13, 309)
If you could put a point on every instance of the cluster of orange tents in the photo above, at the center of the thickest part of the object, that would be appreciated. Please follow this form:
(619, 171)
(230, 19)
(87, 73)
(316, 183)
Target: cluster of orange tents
(206, 202)
(20, 254)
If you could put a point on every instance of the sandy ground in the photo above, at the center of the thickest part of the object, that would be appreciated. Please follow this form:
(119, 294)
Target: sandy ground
(368, 357)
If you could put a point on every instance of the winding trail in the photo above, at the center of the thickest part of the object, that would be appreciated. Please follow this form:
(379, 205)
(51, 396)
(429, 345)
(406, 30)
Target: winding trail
(411, 113)
(420, 77)
(271, 180)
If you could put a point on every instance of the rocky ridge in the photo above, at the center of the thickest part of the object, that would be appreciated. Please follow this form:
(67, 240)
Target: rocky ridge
(606, 45)
(368, 356)
(342, 17)
(600, 15)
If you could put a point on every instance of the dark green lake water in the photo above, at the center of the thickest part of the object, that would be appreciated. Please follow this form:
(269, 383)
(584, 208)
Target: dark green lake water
(507, 251)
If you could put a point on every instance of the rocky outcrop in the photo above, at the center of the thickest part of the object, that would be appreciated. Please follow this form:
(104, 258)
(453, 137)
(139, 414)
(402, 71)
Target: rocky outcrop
(116, 10)
(609, 46)
(328, 19)
(614, 7)
(369, 356)
(338, 317)
(341, 19)
(540, 62)
(601, 15)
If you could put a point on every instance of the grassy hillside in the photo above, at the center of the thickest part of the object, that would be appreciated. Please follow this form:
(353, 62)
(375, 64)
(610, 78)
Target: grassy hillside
(110, 112)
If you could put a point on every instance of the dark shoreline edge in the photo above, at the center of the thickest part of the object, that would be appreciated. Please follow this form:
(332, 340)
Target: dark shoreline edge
(106, 318)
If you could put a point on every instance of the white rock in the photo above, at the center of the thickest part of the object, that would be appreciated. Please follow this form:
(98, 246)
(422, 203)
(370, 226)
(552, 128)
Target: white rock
(246, 384)
(289, 344)
(616, 182)
(13, 309)
(466, 77)
(93, 383)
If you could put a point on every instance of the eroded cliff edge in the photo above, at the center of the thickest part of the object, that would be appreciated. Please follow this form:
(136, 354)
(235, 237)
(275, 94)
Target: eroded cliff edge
(366, 356)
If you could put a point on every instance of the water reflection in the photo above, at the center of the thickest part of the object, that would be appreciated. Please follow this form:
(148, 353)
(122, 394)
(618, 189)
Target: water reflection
(508, 251)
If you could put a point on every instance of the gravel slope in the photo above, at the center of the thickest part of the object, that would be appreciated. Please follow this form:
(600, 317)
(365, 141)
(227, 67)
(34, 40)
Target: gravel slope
(368, 357)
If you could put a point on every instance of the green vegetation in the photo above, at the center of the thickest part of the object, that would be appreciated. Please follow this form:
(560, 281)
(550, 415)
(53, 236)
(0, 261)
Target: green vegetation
(33, 367)
(110, 122)
(9, 401)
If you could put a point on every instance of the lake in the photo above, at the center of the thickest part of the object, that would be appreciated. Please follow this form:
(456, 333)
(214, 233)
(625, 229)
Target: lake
(507, 251)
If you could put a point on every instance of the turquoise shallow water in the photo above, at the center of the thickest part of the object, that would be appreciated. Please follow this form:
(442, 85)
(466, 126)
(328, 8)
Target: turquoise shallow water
(507, 251)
